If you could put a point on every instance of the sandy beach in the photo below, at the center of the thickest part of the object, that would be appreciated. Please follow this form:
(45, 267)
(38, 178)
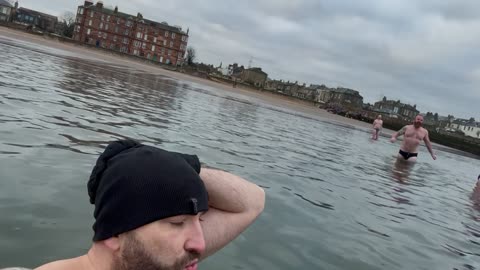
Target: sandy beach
(271, 98)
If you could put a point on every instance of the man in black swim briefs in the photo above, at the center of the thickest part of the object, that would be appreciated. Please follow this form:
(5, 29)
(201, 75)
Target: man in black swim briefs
(413, 135)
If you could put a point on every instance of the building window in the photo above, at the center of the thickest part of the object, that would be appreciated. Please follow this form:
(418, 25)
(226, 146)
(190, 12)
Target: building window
(154, 40)
(105, 35)
(183, 38)
(173, 35)
(136, 52)
(116, 29)
(136, 43)
(139, 35)
(145, 37)
(164, 43)
(171, 44)
(78, 28)
(80, 11)
(89, 31)
(153, 48)
(126, 32)
(128, 23)
(169, 52)
(115, 38)
(90, 23)
(144, 45)
(108, 18)
(101, 25)
(163, 51)
(160, 59)
(91, 14)
(106, 26)
(99, 33)
(166, 33)
(125, 40)
(103, 17)
(79, 19)
(118, 20)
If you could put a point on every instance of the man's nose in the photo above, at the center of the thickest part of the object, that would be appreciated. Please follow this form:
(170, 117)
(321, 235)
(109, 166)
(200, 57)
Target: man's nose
(195, 242)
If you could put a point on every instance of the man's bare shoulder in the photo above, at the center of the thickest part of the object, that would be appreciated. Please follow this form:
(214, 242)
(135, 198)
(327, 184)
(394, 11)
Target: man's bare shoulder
(70, 264)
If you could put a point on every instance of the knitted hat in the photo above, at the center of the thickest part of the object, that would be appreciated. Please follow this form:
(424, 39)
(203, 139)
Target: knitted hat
(133, 184)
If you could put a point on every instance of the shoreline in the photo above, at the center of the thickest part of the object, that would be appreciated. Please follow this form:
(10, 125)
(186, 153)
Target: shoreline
(99, 54)
(294, 104)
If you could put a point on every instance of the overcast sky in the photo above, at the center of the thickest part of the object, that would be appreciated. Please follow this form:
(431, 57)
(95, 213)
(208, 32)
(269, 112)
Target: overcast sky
(422, 52)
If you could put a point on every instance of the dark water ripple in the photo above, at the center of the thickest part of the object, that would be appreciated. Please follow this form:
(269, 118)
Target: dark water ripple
(335, 199)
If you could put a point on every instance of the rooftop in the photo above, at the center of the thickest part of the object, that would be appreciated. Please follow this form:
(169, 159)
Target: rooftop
(5, 3)
(162, 25)
(34, 12)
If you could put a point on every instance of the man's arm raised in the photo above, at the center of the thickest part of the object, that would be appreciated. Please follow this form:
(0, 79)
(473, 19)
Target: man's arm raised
(234, 204)
(398, 133)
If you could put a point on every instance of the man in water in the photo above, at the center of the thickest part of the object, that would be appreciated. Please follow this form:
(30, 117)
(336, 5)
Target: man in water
(156, 209)
(413, 135)
(377, 127)
(477, 187)
(476, 195)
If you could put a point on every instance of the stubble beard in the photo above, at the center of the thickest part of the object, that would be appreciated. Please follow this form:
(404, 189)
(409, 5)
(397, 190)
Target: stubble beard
(136, 257)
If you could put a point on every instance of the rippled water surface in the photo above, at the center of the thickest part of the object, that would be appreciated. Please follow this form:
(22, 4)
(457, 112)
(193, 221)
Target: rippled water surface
(335, 200)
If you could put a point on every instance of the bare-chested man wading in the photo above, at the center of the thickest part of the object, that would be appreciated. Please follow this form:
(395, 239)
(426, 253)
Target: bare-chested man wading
(413, 135)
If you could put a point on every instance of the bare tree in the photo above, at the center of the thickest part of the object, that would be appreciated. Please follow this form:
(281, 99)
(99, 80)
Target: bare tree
(67, 24)
(191, 55)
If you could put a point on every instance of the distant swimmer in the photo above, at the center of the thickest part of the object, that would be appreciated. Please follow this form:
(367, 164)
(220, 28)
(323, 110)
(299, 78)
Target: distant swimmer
(377, 127)
(476, 195)
(413, 135)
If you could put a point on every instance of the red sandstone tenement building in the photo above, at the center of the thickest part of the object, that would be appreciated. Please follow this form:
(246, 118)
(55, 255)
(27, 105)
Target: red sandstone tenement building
(114, 30)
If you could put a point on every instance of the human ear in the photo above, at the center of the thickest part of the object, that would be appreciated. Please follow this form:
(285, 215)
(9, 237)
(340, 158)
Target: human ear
(112, 243)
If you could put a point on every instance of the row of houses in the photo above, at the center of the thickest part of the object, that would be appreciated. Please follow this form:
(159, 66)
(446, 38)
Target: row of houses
(321, 94)
(28, 18)
(467, 127)
(253, 76)
(114, 30)
(110, 29)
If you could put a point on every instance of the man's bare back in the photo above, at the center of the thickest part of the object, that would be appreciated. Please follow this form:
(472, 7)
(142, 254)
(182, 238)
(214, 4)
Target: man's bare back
(413, 135)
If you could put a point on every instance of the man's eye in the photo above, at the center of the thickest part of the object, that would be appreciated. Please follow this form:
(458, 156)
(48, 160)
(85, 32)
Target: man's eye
(177, 223)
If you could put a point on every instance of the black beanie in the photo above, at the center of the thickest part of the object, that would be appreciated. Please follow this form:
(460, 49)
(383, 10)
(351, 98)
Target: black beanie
(133, 184)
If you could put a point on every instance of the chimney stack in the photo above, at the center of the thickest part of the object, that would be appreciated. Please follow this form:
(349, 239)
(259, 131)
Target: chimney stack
(88, 3)
(99, 4)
